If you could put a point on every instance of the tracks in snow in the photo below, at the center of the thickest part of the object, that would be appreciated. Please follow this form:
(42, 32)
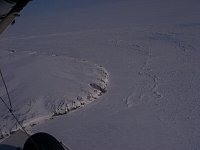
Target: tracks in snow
(147, 86)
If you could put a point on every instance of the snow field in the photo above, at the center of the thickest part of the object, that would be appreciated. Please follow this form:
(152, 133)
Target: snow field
(42, 86)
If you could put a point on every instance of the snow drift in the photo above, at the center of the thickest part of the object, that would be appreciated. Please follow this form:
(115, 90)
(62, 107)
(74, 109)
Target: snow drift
(45, 85)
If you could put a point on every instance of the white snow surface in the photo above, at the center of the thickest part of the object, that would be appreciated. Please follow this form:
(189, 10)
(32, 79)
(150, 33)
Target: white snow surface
(42, 86)
(150, 48)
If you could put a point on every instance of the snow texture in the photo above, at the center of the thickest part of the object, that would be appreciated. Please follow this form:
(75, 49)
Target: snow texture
(42, 86)
(151, 51)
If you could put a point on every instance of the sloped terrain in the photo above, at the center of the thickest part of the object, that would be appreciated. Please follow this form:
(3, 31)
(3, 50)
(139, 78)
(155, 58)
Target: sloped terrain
(42, 86)
(151, 51)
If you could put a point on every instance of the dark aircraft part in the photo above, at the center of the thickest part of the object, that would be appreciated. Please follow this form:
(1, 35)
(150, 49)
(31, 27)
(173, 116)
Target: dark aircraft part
(20, 5)
(9, 10)
(42, 141)
(11, 1)
(8, 147)
(6, 6)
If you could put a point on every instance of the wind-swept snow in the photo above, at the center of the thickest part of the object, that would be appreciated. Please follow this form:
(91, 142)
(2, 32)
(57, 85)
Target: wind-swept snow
(151, 51)
(42, 86)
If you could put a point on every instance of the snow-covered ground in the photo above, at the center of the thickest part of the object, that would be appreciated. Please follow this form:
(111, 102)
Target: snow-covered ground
(33, 81)
(149, 49)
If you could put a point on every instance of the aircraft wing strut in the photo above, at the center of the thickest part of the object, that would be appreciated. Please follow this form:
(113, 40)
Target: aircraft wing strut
(9, 18)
